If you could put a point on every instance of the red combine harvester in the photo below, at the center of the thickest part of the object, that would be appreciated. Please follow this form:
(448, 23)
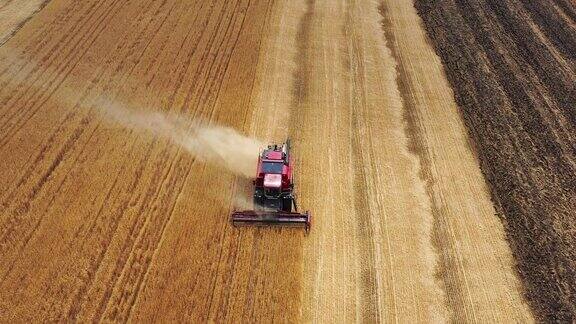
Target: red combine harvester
(273, 192)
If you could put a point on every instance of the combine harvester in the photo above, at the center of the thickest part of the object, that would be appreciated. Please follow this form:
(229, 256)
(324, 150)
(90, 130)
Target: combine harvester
(273, 192)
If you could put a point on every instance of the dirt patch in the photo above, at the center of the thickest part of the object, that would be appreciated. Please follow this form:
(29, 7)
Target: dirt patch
(514, 80)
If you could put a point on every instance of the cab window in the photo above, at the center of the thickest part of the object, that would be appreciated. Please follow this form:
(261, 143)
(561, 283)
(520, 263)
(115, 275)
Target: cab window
(272, 167)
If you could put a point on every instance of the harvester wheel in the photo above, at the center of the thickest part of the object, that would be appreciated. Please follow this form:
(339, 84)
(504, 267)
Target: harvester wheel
(258, 203)
(287, 205)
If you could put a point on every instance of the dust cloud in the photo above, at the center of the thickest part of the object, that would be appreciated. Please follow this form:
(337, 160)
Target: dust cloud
(218, 146)
(212, 144)
(221, 146)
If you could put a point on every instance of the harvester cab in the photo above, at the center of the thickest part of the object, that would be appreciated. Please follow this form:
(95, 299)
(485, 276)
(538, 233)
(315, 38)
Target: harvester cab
(273, 184)
(273, 192)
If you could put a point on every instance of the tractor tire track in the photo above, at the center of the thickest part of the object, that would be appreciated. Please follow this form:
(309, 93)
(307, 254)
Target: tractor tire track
(448, 264)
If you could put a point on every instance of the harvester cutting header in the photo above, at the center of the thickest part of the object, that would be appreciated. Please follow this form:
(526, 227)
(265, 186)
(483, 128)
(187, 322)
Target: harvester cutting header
(273, 192)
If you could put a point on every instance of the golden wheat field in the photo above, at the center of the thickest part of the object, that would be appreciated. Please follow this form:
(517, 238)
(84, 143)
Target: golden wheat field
(129, 131)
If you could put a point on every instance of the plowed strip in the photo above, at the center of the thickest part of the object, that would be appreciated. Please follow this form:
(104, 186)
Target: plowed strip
(512, 66)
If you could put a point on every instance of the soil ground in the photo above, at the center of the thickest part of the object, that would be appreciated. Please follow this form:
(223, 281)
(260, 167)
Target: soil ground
(100, 222)
(513, 68)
